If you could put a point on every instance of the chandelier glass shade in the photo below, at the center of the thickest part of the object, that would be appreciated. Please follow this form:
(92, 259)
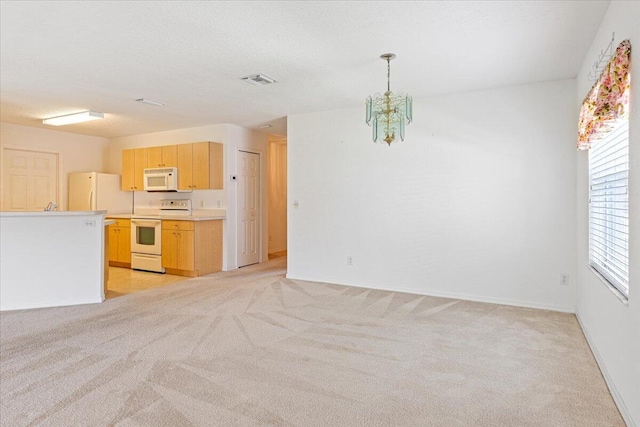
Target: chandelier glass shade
(388, 114)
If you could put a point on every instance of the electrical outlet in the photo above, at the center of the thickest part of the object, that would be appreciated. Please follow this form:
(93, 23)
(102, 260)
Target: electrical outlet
(349, 260)
(296, 204)
(564, 279)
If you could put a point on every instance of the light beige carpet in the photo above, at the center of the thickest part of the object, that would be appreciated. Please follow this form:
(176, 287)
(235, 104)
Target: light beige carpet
(251, 348)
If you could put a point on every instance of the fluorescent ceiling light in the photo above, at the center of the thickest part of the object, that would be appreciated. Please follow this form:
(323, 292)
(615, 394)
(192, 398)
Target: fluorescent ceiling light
(150, 102)
(84, 116)
(265, 126)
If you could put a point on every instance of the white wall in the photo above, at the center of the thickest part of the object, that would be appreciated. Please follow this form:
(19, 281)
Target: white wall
(77, 153)
(612, 327)
(234, 138)
(277, 194)
(476, 203)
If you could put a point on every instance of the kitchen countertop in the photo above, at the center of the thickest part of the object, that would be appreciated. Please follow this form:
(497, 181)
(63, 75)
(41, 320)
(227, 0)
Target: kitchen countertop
(52, 214)
(191, 218)
(174, 217)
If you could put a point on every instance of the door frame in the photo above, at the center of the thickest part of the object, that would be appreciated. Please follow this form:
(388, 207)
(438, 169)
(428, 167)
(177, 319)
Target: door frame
(237, 219)
(59, 179)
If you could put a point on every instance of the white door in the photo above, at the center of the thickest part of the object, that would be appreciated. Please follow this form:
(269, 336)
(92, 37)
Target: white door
(248, 208)
(29, 180)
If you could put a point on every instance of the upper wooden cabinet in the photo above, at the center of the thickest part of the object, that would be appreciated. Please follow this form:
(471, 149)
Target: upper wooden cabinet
(185, 165)
(200, 165)
(134, 161)
(128, 170)
(165, 156)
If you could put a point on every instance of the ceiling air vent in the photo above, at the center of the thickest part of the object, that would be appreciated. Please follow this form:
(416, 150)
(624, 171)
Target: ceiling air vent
(258, 79)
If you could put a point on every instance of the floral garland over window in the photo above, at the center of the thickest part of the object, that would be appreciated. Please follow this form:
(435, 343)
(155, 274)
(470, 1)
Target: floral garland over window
(608, 99)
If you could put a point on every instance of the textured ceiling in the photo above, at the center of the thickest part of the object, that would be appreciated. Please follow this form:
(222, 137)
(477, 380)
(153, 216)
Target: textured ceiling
(62, 57)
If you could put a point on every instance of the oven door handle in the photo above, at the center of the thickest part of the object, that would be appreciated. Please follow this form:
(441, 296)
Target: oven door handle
(139, 223)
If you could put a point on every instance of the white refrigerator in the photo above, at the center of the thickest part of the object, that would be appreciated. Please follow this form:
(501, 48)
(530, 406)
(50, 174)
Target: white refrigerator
(93, 191)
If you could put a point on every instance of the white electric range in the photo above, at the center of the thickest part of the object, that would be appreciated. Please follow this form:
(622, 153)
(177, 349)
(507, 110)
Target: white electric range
(146, 233)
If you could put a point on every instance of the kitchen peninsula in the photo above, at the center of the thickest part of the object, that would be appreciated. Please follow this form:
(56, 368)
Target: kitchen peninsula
(51, 259)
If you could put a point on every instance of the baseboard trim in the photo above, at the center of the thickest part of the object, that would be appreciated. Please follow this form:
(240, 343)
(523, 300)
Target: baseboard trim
(624, 412)
(119, 264)
(49, 304)
(465, 297)
(230, 268)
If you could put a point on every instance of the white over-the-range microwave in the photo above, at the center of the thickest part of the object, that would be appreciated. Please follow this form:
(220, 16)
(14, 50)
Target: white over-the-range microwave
(161, 179)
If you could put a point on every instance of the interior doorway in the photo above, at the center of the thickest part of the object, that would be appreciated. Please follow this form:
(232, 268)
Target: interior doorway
(277, 196)
(29, 180)
(249, 228)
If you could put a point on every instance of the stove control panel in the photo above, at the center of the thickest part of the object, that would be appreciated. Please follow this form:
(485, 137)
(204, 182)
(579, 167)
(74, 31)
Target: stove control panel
(175, 206)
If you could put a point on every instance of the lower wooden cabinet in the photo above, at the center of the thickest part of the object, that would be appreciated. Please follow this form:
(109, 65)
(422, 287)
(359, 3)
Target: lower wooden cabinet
(192, 248)
(120, 243)
(178, 249)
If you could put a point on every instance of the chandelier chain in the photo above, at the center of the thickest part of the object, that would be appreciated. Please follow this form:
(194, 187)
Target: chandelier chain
(388, 74)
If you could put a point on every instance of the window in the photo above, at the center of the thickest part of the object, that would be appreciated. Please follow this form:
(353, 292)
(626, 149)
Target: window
(609, 206)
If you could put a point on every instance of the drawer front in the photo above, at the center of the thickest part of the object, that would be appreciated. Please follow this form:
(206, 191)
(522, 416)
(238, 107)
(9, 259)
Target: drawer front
(177, 225)
(120, 222)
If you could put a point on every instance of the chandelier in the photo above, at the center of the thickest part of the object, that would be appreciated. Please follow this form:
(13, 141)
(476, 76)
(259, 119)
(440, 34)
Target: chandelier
(387, 113)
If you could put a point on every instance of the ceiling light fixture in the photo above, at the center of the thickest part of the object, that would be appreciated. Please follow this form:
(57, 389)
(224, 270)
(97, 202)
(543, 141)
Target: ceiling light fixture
(387, 113)
(258, 79)
(265, 126)
(150, 102)
(68, 119)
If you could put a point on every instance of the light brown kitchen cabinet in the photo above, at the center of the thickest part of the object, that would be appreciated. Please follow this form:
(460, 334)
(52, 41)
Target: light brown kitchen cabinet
(177, 250)
(192, 248)
(185, 163)
(165, 156)
(120, 243)
(140, 166)
(200, 166)
(134, 161)
(128, 170)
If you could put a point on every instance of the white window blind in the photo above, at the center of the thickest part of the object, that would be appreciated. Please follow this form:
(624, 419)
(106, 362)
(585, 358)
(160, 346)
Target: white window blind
(609, 206)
